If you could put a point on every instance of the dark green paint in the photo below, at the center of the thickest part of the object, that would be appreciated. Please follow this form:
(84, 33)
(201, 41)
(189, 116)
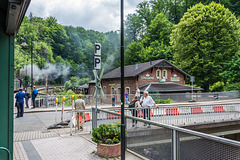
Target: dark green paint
(6, 88)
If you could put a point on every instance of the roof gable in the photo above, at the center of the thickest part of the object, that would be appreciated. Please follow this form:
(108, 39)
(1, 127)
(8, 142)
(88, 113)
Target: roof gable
(132, 70)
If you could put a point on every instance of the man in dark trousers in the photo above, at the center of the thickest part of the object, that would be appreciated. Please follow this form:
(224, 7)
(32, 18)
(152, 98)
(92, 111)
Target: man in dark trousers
(20, 99)
(27, 96)
(34, 95)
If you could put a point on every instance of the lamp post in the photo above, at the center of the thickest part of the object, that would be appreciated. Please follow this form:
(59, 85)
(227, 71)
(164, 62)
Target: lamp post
(25, 44)
(26, 76)
(122, 86)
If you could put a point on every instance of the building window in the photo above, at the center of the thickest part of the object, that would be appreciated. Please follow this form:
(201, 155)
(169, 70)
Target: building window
(128, 90)
(164, 74)
(158, 74)
(112, 90)
(104, 89)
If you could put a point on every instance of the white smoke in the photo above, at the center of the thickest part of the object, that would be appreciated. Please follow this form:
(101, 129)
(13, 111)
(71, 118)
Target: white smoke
(52, 71)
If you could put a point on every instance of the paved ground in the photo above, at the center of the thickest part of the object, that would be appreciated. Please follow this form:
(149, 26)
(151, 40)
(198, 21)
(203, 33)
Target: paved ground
(32, 140)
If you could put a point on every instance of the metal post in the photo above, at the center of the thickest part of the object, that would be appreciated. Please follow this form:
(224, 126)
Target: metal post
(192, 90)
(122, 86)
(94, 118)
(31, 65)
(62, 112)
(56, 114)
(175, 145)
(95, 124)
(71, 122)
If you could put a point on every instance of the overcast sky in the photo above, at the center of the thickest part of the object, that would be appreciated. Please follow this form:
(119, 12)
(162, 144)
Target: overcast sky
(100, 15)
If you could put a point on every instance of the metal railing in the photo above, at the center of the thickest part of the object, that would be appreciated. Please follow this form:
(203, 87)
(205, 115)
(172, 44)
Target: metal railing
(48, 100)
(187, 114)
(165, 141)
(7, 150)
(87, 125)
(169, 114)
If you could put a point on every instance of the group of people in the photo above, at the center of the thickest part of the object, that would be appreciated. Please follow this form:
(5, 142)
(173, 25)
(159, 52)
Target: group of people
(145, 102)
(20, 96)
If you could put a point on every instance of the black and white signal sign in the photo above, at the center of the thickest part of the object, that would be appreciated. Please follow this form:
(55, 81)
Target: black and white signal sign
(97, 56)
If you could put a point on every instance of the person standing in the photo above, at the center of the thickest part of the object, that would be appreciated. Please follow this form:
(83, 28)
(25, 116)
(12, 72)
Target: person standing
(20, 100)
(80, 105)
(133, 105)
(147, 102)
(27, 96)
(126, 98)
(34, 95)
(137, 94)
(113, 101)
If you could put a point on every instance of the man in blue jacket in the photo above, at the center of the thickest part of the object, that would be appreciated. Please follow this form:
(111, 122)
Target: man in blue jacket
(34, 95)
(20, 99)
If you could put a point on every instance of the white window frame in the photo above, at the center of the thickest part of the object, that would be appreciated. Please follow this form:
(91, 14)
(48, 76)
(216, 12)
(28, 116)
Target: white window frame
(158, 70)
(128, 89)
(165, 74)
(112, 89)
(104, 89)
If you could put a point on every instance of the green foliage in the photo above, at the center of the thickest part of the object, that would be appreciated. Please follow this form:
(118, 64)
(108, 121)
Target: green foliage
(206, 37)
(217, 87)
(66, 45)
(231, 74)
(162, 101)
(155, 43)
(232, 87)
(107, 133)
(75, 82)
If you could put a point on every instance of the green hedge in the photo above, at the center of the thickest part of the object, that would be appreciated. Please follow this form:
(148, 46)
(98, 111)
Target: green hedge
(162, 101)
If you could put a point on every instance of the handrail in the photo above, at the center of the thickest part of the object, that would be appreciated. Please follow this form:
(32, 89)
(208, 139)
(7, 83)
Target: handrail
(195, 133)
(7, 150)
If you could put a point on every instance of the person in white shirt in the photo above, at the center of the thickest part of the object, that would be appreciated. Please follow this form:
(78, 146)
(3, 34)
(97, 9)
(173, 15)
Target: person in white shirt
(147, 102)
(137, 94)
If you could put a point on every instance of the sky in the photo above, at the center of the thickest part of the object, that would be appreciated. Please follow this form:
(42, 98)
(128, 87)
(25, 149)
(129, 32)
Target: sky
(100, 15)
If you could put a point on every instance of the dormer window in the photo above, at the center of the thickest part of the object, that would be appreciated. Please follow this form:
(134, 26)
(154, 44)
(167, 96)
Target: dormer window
(158, 74)
(164, 74)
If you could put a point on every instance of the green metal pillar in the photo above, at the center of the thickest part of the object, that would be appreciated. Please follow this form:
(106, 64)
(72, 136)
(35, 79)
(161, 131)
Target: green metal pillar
(6, 89)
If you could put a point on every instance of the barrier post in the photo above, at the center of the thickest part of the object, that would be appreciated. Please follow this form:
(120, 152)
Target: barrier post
(62, 116)
(56, 100)
(71, 115)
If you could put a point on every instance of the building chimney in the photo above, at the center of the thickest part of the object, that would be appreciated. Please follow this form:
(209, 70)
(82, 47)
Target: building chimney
(136, 66)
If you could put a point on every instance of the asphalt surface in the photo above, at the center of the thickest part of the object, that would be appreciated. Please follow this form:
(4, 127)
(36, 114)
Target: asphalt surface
(36, 121)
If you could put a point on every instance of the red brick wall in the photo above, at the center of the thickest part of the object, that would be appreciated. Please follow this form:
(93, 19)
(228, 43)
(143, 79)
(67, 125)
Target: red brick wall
(170, 74)
(139, 81)
(116, 83)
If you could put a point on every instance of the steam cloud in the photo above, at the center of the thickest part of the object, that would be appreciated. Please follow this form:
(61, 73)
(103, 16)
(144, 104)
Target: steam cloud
(53, 71)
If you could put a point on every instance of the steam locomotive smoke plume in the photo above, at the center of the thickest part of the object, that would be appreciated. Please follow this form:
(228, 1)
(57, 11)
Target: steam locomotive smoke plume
(53, 71)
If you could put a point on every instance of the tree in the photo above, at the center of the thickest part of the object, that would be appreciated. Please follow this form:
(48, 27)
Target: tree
(205, 39)
(231, 75)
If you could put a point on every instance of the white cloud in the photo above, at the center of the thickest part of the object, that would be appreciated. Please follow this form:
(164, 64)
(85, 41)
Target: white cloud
(100, 15)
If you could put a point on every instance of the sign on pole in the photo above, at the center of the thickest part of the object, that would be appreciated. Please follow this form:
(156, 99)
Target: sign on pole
(97, 49)
(97, 56)
(192, 78)
(97, 62)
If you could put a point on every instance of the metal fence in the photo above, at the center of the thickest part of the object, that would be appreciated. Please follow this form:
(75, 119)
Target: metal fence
(169, 114)
(49, 100)
(184, 97)
(163, 141)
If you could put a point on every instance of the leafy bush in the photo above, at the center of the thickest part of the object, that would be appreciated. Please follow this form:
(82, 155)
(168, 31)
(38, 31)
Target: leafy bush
(162, 101)
(232, 87)
(107, 133)
(217, 87)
